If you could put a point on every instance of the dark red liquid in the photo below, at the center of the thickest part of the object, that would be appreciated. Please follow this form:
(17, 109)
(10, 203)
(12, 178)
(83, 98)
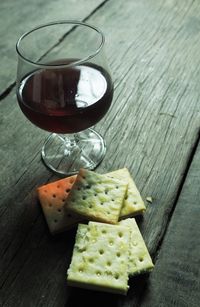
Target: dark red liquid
(66, 100)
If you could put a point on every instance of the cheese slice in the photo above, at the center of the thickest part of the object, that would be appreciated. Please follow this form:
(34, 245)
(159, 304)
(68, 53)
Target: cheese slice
(100, 258)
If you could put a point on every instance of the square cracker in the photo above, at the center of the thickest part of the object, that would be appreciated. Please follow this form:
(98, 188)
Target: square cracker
(133, 203)
(96, 197)
(139, 257)
(100, 258)
(52, 197)
(59, 220)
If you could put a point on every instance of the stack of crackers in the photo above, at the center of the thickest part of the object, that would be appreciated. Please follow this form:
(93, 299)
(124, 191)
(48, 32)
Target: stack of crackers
(109, 248)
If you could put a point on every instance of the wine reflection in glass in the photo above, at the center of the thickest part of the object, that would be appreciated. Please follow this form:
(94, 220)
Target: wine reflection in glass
(64, 86)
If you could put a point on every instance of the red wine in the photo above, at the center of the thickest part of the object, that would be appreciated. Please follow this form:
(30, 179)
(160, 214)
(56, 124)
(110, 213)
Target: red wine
(66, 100)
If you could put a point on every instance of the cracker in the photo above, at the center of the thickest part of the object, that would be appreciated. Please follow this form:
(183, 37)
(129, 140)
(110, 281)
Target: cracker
(139, 257)
(52, 197)
(97, 197)
(133, 203)
(100, 258)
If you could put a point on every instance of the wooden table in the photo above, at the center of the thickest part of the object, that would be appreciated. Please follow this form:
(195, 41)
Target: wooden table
(152, 128)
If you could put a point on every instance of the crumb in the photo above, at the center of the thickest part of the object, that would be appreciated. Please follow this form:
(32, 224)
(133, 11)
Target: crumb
(149, 199)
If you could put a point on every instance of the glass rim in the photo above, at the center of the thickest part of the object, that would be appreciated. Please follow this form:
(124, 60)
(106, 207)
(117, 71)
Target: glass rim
(52, 23)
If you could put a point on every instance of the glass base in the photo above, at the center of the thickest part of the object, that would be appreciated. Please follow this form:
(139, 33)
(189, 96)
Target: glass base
(66, 154)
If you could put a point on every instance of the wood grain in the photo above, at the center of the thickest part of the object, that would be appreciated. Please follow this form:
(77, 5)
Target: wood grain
(152, 127)
(176, 278)
(17, 17)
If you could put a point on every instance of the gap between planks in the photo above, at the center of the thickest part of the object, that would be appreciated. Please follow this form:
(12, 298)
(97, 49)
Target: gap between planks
(185, 173)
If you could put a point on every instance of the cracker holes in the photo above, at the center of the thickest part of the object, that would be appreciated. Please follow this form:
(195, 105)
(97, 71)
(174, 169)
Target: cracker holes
(101, 251)
(80, 270)
(71, 181)
(111, 242)
(50, 205)
(98, 273)
(126, 197)
(91, 260)
(109, 273)
(59, 210)
(108, 263)
(120, 234)
(118, 254)
(104, 231)
(58, 186)
(135, 203)
(54, 195)
(141, 259)
(116, 276)
(83, 197)
(90, 206)
(67, 190)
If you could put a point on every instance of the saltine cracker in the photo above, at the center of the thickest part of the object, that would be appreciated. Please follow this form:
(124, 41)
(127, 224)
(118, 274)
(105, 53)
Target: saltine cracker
(52, 197)
(97, 197)
(100, 258)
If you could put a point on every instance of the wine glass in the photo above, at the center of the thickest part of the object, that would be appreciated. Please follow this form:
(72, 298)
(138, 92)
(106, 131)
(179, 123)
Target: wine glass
(64, 86)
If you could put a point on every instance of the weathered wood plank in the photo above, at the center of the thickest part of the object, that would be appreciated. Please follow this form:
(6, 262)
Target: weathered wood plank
(16, 17)
(176, 278)
(155, 115)
(151, 128)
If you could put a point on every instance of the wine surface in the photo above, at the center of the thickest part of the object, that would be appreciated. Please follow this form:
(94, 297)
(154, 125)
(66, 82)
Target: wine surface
(66, 100)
